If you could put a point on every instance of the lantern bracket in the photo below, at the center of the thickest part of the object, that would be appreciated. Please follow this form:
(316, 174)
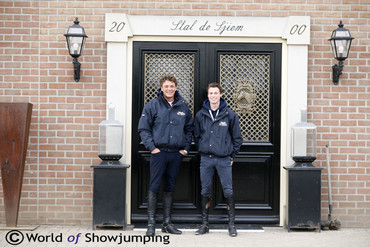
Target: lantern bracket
(337, 72)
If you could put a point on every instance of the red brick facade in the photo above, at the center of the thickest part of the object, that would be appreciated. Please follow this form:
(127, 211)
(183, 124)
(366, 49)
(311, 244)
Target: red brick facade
(35, 67)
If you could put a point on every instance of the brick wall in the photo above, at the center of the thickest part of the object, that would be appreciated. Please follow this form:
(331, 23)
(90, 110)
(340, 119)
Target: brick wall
(35, 67)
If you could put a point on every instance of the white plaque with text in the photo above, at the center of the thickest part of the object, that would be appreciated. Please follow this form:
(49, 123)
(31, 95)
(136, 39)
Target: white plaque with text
(296, 29)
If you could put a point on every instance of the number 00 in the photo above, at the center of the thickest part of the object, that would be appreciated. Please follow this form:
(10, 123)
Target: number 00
(296, 28)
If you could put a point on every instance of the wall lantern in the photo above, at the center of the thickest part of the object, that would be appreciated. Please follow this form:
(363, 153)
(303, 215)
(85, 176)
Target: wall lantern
(110, 139)
(340, 44)
(75, 42)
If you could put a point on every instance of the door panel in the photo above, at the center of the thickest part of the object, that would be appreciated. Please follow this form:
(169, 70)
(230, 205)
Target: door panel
(184, 194)
(250, 75)
(253, 173)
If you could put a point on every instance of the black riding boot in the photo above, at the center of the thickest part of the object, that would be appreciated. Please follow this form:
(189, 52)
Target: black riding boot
(204, 228)
(152, 206)
(231, 212)
(167, 226)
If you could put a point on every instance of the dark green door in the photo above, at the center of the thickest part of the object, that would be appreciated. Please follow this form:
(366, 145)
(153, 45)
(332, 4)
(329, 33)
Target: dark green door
(251, 77)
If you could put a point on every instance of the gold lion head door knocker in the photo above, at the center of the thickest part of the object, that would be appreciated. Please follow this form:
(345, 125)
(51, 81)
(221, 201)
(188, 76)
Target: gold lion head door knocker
(245, 97)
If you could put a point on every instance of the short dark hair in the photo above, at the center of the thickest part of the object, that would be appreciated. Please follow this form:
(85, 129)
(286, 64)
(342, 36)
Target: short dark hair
(168, 78)
(214, 84)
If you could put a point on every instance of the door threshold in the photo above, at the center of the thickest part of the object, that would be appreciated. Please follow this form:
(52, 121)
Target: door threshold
(212, 227)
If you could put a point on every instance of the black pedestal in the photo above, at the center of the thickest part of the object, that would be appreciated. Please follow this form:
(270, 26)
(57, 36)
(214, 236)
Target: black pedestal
(109, 199)
(304, 208)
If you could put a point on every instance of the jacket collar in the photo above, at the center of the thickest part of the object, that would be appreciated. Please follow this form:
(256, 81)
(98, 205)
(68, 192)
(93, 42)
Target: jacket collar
(207, 106)
(177, 97)
(221, 113)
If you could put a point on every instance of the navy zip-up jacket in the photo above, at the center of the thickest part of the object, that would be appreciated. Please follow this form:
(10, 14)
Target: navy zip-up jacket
(219, 136)
(165, 127)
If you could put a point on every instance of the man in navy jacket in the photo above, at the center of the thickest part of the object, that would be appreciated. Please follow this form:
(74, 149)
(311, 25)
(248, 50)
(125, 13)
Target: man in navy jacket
(165, 128)
(218, 138)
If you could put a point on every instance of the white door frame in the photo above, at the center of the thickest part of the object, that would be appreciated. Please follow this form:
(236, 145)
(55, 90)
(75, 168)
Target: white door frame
(292, 32)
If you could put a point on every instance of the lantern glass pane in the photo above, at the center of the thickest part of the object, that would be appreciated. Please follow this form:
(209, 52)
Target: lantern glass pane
(75, 30)
(340, 33)
(304, 140)
(347, 45)
(75, 45)
(333, 48)
(342, 47)
(110, 140)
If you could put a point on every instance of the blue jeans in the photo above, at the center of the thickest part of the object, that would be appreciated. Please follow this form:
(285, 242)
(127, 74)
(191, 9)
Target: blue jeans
(165, 164)
(223, 167)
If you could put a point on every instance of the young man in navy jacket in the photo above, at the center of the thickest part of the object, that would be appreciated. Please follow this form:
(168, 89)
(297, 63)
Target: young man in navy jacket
(165, 128)
(218, 138)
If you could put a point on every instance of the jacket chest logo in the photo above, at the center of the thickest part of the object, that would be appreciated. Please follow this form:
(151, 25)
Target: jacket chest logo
(222, 124)
(180, 113)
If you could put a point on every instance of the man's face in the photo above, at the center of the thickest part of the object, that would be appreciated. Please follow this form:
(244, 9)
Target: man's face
(214, 95)
(168, 88)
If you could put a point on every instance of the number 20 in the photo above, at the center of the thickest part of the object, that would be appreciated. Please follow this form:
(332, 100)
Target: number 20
(117, 27)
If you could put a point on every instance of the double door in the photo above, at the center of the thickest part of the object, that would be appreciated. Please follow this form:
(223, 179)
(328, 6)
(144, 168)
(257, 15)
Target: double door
(250, 74)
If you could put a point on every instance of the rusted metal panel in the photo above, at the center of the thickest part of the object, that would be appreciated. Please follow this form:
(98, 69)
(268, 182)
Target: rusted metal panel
(15, 120)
